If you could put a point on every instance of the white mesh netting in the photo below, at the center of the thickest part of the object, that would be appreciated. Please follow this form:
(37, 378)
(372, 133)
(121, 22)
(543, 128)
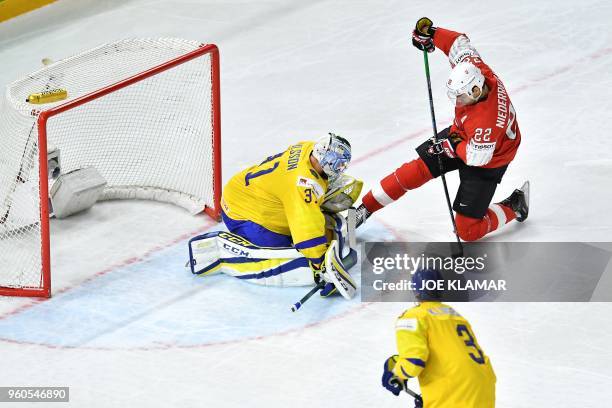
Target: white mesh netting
(149, 140)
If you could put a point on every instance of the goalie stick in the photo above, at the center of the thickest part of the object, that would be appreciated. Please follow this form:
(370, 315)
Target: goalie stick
(296, 306)
(349, 261)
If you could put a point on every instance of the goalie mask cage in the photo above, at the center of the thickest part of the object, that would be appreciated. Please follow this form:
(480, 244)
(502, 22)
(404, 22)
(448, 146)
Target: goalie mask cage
(144, 112)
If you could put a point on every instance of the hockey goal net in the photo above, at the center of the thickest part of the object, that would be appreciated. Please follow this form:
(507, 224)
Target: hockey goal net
(143, 112)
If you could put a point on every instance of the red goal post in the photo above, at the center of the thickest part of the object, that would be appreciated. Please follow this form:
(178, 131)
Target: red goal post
(141, 126)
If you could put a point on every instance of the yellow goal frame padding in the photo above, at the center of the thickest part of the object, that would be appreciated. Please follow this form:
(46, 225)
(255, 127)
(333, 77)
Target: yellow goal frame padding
(13, 8)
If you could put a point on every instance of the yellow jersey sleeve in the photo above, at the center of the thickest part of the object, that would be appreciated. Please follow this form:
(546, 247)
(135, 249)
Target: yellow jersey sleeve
(412, 344)
(306, 221)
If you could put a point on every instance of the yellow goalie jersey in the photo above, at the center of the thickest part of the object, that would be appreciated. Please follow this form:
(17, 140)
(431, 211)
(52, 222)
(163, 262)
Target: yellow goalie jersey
(438, 346)
(283, 194)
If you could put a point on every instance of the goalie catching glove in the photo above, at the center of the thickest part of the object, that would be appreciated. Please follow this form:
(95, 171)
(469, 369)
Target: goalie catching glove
(341, 194)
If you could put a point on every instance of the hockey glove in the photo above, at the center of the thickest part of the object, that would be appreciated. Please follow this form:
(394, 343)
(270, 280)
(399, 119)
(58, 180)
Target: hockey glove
(328, 290)
(317, 273)
(389, 380)
(446, 146)
(334, 272)
(422, 35)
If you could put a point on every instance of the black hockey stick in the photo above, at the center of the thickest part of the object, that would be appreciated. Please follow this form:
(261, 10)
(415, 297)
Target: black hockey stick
(440, 164)
(348, 261)
(296, 306)
(418, 400)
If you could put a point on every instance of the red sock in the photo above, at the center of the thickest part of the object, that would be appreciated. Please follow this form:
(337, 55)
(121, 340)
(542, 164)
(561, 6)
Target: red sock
(471, 229)
(408, 177)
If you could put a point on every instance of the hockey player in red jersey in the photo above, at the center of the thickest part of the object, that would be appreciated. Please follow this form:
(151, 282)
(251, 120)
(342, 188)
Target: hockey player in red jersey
(481, 142)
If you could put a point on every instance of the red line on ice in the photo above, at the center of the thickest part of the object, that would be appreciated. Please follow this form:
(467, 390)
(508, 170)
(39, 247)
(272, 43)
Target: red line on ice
(372, 153)
(125, 262)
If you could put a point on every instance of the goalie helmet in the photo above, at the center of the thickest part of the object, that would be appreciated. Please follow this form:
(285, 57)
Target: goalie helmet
(333, 153)
(461, 82)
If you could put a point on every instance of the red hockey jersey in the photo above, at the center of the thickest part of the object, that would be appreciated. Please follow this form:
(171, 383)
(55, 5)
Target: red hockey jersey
(489, 128)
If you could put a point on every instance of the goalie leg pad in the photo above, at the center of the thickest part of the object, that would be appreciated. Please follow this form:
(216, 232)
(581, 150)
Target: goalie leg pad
(204, 255)
(337, 273)
(271, 272)
(224, 252)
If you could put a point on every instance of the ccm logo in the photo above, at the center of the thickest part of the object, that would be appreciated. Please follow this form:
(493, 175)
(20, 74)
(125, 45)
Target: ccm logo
(234, 250)
(234, 239)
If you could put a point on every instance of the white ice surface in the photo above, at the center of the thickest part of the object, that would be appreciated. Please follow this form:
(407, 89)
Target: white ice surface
(127, 326)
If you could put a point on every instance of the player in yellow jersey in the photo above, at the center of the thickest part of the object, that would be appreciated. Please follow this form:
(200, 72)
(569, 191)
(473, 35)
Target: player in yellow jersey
(437, 346)
(277, 204)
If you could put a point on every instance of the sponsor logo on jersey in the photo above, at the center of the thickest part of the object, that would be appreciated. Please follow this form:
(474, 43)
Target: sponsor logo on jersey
(443, 311)
(483, 146)
(406, 324)
(310, 183)
(462, 55)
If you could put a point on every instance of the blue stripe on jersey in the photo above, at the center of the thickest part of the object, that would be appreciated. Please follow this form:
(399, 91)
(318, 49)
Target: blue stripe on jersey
(317, 260)
(417, 362)
(309, 243)
(257, 234)
(405, 373)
